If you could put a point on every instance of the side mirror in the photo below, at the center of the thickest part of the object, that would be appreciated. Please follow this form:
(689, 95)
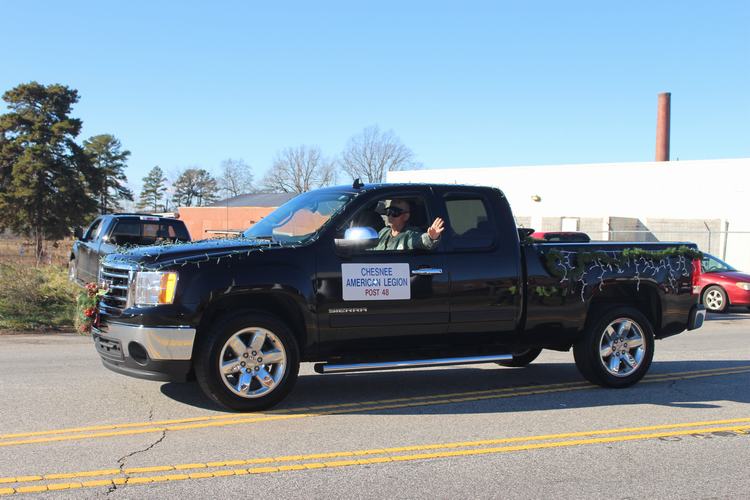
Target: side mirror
(355, 239)
(78, 232)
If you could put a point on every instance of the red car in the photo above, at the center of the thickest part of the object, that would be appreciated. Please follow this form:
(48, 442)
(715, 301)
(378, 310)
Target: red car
(721, 285)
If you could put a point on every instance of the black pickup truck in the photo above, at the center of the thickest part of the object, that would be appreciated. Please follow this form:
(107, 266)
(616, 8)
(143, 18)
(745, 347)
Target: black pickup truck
(306, 284)
(108, 233)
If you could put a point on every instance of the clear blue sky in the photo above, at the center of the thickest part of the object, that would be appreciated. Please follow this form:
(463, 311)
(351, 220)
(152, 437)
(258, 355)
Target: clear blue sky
(464, 84)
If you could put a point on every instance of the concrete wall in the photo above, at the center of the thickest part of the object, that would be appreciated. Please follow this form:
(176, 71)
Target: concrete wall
(594, 226)
(522, 221)
(706, 233)
(696, 191)
(629, 229)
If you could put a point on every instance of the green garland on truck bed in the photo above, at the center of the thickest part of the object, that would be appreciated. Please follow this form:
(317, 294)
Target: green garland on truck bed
(613, 258)
(588, 267)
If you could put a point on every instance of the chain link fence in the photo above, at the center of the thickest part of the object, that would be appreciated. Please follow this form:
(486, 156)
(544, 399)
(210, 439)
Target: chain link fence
(710, 235)
(730, 246)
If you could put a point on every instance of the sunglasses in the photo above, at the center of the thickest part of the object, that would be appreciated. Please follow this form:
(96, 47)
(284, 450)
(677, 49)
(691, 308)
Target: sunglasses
(395, 211)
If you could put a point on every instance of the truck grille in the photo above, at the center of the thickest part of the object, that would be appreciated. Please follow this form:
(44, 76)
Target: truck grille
(117, 277)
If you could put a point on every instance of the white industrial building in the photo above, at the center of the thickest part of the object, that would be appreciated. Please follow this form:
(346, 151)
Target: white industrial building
(704, 201)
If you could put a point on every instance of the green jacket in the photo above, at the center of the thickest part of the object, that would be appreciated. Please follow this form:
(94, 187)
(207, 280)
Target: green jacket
(409, 239)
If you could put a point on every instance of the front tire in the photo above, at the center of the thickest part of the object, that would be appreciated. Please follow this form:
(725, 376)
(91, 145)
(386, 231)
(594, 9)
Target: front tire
(715, 299)
(617, 349)
(521, 359)
(247, 362)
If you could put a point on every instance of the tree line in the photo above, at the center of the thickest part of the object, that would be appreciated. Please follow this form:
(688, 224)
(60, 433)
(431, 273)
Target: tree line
(49, 183)
(367, 156)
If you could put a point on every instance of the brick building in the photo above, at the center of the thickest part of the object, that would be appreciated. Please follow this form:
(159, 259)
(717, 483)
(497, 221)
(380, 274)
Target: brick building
(231, 215)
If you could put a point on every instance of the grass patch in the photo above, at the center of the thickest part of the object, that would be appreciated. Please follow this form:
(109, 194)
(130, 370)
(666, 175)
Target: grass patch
(36, 298)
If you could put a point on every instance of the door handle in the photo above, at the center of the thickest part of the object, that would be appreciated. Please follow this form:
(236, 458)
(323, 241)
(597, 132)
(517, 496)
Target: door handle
(427, 271)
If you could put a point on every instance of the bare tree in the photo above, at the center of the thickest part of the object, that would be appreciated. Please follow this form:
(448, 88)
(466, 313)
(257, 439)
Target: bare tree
(236, 178)
(372, 153)
(300, 169)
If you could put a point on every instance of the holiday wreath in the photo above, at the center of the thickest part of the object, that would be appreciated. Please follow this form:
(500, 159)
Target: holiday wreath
(87, 304)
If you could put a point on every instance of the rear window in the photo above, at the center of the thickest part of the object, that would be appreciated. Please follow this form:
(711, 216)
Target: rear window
(469, 222)
(138, 232)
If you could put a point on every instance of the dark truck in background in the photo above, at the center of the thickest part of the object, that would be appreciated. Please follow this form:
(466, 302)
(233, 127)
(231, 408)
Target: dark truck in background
(306, 285)
(109, 233)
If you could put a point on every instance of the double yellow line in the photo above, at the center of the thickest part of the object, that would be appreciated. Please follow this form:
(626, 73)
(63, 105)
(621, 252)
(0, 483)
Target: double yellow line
(129, 429)
(181, 472)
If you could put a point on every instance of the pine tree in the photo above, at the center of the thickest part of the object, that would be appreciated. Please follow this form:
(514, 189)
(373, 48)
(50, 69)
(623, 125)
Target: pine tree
(154, 187)
(45, 177)
(110, 161)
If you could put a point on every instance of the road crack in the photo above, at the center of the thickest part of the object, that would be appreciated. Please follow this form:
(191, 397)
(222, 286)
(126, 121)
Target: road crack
(121, 461)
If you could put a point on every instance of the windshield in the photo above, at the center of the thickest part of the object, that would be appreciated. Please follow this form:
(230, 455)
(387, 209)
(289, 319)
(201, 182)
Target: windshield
(300, 218)
(711, 264)
(140, 232)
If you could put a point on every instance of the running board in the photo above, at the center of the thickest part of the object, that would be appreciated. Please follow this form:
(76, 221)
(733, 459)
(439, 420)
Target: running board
(422, 363)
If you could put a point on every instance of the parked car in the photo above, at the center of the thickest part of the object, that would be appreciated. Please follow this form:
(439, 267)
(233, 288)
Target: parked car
(307, 284)
(561, 236)
(110, 232)
(721, 285)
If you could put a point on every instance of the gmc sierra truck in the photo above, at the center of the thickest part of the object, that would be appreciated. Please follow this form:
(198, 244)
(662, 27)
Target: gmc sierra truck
(306, 284)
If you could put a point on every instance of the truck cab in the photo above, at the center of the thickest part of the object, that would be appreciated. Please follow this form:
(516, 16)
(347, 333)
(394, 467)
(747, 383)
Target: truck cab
(459, 294)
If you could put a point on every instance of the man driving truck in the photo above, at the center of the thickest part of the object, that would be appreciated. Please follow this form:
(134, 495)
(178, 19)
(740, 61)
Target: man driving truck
(397, 236)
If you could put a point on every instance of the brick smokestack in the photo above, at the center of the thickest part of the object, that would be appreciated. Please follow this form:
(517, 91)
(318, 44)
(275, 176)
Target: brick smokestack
(662, 126)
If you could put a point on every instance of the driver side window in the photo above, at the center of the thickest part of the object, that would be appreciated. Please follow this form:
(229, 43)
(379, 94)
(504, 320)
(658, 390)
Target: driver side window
(400, 223)
(371, 215)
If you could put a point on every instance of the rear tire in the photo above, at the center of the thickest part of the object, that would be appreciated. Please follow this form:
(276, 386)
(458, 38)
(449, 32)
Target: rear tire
(522, 359)
(617, 349)
(230, 368)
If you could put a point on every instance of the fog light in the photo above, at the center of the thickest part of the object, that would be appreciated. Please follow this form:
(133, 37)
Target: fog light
(138, 353)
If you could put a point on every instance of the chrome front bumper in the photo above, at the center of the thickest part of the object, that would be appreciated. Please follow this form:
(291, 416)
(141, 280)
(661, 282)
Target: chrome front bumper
(160, 343)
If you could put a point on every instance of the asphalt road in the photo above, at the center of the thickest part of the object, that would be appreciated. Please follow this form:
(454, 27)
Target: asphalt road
(71, 427)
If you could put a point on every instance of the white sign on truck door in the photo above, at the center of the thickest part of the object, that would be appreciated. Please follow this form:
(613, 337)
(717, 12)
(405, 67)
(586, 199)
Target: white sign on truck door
(375, 281)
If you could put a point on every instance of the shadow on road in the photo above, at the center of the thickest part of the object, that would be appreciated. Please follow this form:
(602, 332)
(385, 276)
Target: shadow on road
(371, 388)
(731, 314)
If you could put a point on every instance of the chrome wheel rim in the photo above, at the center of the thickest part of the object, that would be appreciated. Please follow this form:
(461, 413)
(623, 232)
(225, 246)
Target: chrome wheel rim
(622, 347)
(252, 362)
(714, 300)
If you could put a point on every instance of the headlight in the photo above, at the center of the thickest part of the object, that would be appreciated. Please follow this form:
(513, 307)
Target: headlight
(154, 288)
(744, 286)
